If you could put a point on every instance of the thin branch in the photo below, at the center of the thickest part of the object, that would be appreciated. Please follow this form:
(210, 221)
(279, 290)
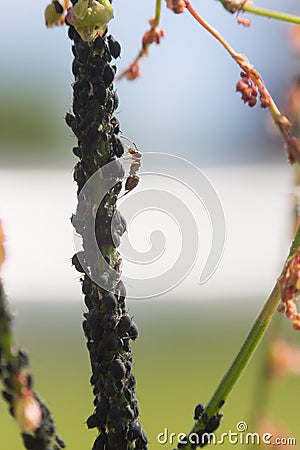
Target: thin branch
(283, 124)
(153, 35)
(233, 6)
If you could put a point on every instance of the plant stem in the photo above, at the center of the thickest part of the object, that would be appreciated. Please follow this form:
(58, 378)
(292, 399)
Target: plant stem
(157, 11)
(239, 58)
(283, 124)
(14, 367)
(246, 351)
(107, 326)
(241, 6)
(145, 46)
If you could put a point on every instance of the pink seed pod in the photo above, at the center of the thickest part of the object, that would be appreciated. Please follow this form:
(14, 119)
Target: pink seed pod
(177, 6)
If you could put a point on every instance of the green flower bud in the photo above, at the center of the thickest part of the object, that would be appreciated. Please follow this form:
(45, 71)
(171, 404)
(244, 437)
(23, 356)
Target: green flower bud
(54, 14)
(90, 18)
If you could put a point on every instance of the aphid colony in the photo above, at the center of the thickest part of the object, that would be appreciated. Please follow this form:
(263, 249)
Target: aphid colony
(89, 131)
(107, 325)
(94, 99)
(202, 438)
(105, 333)
(17, 385)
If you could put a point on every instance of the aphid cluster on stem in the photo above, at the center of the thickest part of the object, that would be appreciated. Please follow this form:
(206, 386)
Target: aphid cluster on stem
(107, 326)
(108, 329)
(202, 437)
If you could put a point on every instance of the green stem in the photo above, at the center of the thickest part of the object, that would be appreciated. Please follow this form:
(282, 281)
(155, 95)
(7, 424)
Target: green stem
(260, 11)
(246, 351)
(263, 384)
(272, 14)
(295, 244)
(153, 25)
(157, 11)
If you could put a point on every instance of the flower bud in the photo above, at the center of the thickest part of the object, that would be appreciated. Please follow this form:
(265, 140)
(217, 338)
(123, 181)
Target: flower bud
(54, 14)
(90, 18)
(27, 411)
(177, 6)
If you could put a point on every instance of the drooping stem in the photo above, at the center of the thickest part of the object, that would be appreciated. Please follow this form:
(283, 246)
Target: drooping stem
(282, 123)
(233, 6)
(239, 58)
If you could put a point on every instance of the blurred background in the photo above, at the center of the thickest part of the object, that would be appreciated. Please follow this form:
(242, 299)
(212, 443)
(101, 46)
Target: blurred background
(184, 104)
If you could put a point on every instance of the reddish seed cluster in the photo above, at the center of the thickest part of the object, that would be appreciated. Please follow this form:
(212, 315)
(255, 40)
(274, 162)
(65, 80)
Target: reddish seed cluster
(133, 71)
(243, 21)
(151, 36)
(264, 98)
(177, 6)
(292, 148)
(248, 90)
(289, 284)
